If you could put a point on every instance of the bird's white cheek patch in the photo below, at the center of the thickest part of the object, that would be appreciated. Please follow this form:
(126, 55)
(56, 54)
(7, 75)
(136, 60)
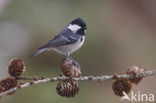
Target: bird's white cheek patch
(74, 28)
(85, 31)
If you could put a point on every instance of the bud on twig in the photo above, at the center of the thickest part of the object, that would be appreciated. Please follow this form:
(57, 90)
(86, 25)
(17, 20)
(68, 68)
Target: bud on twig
(42, 77)
(69, 69)
(120, 85)
(1, 90)
(21, 82)
(135, 70)
(31, 82)
(16, 67)
(68, 88)
(35, 77)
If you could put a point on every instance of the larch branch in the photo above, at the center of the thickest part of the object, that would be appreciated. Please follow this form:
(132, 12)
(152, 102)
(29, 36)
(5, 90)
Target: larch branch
(81, 78)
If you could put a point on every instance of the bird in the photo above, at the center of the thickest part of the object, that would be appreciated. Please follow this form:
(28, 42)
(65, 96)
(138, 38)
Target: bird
(69, 40)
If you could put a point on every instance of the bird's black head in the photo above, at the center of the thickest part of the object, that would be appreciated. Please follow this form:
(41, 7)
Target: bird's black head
(79, 22)
(78, 26)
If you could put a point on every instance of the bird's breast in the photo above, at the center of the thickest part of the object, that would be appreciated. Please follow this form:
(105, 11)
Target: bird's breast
(71, 47)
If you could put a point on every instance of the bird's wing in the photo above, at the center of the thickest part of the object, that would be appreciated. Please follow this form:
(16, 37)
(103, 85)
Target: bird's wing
(62, 39)
(65, 37)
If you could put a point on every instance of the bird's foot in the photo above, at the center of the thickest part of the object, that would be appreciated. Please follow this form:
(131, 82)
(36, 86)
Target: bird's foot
(67, 56)
(73, 61)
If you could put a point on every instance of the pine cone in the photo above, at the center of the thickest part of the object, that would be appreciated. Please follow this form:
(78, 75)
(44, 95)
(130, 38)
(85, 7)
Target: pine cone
(16, 67)
(70, 69)
(134, 70)
(68, 88)
(7, 84)
(120, 85)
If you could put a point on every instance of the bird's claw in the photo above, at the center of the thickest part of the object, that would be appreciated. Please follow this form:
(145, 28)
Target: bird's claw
(73, 61)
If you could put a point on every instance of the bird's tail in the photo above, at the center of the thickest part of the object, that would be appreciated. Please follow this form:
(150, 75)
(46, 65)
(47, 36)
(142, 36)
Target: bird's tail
(37, 52)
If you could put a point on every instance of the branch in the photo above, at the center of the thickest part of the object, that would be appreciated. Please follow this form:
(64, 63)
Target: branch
(85, 78)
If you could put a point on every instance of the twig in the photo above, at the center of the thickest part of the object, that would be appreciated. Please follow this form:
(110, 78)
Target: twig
(85, 78)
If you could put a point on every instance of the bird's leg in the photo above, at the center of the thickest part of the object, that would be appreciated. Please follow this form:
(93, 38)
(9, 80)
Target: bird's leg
(74, 62)
(67, 55)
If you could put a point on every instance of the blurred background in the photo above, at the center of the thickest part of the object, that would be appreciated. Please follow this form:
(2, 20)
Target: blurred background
(120, 33)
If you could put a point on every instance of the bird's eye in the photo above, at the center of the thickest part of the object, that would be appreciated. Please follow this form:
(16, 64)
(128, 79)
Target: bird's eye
(83, 25)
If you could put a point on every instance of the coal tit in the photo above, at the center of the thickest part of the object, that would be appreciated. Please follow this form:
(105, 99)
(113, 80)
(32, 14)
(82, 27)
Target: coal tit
(68, 40)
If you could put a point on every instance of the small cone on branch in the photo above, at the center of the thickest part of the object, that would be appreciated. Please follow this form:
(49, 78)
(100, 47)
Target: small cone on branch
(70, 69)
(121, 85)
(1, 90)
(16, 67)
(68, 88)
(8, 83)
(21, 82)
(135, 70)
